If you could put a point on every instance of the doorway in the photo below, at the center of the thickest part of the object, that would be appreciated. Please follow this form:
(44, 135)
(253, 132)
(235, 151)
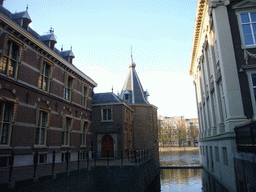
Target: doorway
(107, 146)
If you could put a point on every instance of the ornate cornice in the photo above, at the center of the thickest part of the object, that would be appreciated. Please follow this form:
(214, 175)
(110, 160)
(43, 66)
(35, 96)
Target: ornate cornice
(198, 23)
(247, 54)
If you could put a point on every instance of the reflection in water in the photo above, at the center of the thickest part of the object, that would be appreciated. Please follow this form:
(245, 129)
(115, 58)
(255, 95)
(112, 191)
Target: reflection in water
(185, 180)
(179, 158)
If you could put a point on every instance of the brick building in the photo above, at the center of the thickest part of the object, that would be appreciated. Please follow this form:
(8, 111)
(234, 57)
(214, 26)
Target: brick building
(144, 113)
(172, 126)
(45, 101)
(112, 126)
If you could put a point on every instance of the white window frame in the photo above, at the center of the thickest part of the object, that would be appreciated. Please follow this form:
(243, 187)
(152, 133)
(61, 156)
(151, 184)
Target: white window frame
(238, 13)
(107, 118)
(249, 73)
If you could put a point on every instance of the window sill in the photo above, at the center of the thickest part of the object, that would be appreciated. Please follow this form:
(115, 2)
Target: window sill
(40, 147)
(111, 121)
(248, 46)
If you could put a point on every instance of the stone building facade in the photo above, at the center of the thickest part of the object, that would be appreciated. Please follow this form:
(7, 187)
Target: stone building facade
(223, 67)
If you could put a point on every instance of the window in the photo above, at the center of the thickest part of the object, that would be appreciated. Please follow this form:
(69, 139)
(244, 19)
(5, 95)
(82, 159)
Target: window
(68, 88)
(41, 127)
(253, 81)
(84, 96)
(127, 97)
(106, 114)
(84, 131)
(248, 26)
(67, 125)
(65, 157)
(83, 155)
(9, 63)
(4, 161)
(225, 156)
(217, 154)
(45, 76)
(41, 158)
(5, 122)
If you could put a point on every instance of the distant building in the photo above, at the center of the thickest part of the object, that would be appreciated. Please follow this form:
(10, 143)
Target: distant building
(45, 101)
(223, 67)
(172, 125)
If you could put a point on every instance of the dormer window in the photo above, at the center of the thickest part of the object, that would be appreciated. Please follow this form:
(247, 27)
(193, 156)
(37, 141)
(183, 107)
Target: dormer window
(68, 55)
(22, 18)
(127, 97)
(49, 39)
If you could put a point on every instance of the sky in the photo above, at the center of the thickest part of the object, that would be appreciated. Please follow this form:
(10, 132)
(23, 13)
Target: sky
(101, 33)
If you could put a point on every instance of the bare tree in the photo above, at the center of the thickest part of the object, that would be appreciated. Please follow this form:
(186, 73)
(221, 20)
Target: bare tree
(181, 133)
(163, 135)
(194, 131)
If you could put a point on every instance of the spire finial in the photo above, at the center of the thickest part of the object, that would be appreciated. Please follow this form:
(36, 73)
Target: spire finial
(51, 30)
(62, 47)
(71, 47)
(112, 89)
(132, 63)
(27, 7)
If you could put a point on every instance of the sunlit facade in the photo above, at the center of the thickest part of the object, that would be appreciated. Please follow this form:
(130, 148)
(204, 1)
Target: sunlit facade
(172, 125)
(223, 67)
(45, 102)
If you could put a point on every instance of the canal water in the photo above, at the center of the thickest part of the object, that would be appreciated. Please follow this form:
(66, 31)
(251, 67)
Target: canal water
(176, 180)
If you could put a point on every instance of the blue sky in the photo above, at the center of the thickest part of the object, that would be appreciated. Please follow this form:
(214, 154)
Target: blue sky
(101, 33)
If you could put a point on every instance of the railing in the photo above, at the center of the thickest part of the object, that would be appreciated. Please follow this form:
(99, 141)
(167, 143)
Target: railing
(246, 137)
(85, 160)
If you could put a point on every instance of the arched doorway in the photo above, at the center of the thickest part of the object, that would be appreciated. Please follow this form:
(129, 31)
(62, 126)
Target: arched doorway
(189, 143)
(107, 146)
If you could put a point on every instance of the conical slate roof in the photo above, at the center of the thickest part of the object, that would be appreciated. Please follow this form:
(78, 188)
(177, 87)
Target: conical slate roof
(132, 92)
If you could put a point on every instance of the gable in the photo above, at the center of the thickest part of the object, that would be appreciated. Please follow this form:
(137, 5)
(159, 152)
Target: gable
(245, 4)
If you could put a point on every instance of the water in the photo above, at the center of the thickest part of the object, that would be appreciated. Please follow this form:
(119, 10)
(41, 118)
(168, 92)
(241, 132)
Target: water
(185, 180)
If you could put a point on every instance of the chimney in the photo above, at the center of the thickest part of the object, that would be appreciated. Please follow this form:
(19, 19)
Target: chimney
(2, 2)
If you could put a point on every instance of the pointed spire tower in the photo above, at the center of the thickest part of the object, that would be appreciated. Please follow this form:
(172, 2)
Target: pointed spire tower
(132, 92)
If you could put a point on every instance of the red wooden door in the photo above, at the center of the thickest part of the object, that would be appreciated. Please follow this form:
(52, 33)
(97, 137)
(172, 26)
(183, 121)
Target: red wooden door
(107, 146)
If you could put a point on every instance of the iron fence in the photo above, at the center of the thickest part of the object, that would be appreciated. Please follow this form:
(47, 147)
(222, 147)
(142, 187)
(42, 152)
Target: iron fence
(246, 137)
(83, 160)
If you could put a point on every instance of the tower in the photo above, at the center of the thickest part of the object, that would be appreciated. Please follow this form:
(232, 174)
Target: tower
(145, 114)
